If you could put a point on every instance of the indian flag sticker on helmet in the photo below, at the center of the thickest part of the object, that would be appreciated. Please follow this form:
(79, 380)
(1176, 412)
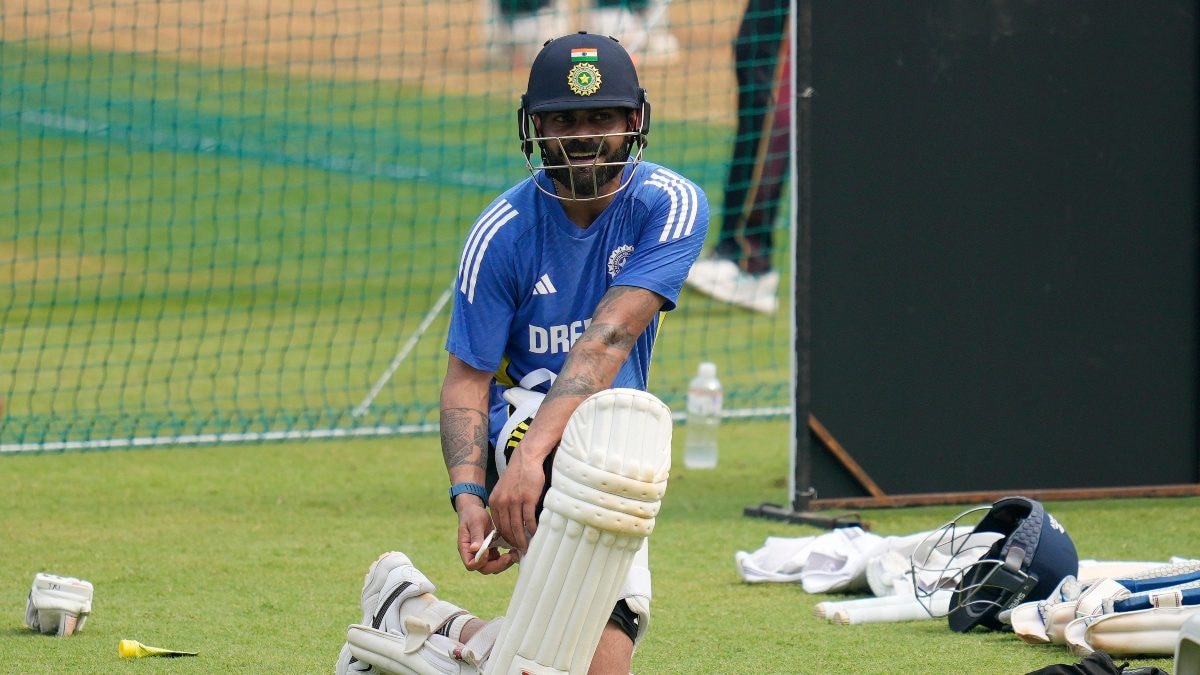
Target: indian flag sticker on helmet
(584, 79)
(584, 54)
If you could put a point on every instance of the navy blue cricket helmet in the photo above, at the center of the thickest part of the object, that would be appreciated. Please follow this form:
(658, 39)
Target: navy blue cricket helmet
(582, 71)
(1026, 564)
(1016, 553)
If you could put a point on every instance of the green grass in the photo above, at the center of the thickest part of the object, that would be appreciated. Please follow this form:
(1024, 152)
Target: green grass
(254, 556)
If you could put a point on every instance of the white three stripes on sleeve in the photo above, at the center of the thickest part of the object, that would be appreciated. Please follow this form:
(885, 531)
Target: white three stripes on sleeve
(682, 216)
(477, 243)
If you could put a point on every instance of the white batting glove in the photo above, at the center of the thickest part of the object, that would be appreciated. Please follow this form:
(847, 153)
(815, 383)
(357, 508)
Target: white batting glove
(58, 605)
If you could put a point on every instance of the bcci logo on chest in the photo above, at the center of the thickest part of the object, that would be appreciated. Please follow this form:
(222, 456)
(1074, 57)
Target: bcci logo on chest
(616, 259)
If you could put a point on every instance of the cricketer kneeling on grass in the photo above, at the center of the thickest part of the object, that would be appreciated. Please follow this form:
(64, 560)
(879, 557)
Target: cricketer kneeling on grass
(546, 425)
(609, 477)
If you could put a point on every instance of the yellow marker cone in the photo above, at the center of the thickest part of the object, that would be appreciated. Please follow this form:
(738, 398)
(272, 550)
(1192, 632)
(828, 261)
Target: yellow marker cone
(132, 649)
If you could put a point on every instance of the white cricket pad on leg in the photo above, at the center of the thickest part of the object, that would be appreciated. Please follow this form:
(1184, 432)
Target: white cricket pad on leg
(58, 605)
(606, 487)
(636, 591)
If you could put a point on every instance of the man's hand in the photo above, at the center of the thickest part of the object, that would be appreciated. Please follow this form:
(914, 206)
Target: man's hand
(474, 525)
(514, 499)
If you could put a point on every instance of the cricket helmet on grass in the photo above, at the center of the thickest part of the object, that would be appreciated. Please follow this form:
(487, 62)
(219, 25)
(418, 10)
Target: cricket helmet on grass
(1016, 553)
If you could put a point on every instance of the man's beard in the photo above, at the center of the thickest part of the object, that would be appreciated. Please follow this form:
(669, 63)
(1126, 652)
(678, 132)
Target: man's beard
(585, 180)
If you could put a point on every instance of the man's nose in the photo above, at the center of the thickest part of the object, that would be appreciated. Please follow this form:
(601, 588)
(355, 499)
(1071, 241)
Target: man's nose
(589, 128)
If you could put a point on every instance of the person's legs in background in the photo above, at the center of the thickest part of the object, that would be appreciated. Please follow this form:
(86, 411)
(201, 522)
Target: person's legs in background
(739, 270)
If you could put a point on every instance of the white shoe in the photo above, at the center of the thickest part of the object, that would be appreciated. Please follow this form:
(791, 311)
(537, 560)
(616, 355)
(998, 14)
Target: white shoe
(58, 605)
(373, 585)
(725, 281)
(400, 620)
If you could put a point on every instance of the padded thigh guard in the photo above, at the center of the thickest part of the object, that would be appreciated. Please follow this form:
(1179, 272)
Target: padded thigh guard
(606, 487)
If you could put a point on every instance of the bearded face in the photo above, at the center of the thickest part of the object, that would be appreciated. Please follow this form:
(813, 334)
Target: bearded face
(584, 166)
(584, 151)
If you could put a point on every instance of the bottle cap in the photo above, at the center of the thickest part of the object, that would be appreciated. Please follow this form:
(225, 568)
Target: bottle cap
(708, 369)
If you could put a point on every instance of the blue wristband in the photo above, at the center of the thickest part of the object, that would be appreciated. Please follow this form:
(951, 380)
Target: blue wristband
(468, 489)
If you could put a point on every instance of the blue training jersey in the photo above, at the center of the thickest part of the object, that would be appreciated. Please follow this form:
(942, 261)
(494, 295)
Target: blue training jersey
(529, 279)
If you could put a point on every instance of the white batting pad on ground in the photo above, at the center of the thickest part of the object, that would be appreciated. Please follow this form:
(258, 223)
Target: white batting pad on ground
(1126, 624)
(608, 480)
(1091, 570)
(1047, 620)
(1098, 581)
(1147, 632)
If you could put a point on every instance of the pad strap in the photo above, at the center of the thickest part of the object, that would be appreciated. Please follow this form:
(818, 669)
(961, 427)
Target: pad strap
(1092, 600)
(477, 650)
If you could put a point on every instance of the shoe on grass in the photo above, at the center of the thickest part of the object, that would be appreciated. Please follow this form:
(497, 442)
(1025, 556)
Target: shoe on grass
(723, 280)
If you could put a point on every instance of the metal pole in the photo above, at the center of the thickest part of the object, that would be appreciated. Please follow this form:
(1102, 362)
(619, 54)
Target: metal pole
(800, 488)
(802, 91)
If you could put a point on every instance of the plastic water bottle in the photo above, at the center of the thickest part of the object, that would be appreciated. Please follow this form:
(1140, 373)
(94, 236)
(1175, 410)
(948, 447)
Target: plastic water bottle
(704, 402)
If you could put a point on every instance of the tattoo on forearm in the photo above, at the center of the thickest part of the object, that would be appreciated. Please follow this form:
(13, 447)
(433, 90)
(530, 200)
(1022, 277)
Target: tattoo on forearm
(604, 346)
(610, 335)
(579, 373)
(464, 437)
(650, 302)
(581, 385)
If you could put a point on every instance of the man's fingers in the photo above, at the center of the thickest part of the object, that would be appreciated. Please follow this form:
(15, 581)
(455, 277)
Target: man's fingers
(475, 534)
(514, 531)
(496, 562)
(516, 526)
(530, 525)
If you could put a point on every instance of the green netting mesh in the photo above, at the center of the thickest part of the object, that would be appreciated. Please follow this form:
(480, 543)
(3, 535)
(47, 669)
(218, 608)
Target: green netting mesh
(240, 220)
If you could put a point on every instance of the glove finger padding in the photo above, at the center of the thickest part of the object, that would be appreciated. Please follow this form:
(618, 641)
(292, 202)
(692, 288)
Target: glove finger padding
(58, 605)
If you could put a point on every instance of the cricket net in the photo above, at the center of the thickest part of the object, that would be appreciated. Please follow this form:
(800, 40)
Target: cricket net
(240, 220)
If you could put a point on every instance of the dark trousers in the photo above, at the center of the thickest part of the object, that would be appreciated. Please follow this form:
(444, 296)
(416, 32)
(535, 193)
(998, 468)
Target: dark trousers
(758, 169)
